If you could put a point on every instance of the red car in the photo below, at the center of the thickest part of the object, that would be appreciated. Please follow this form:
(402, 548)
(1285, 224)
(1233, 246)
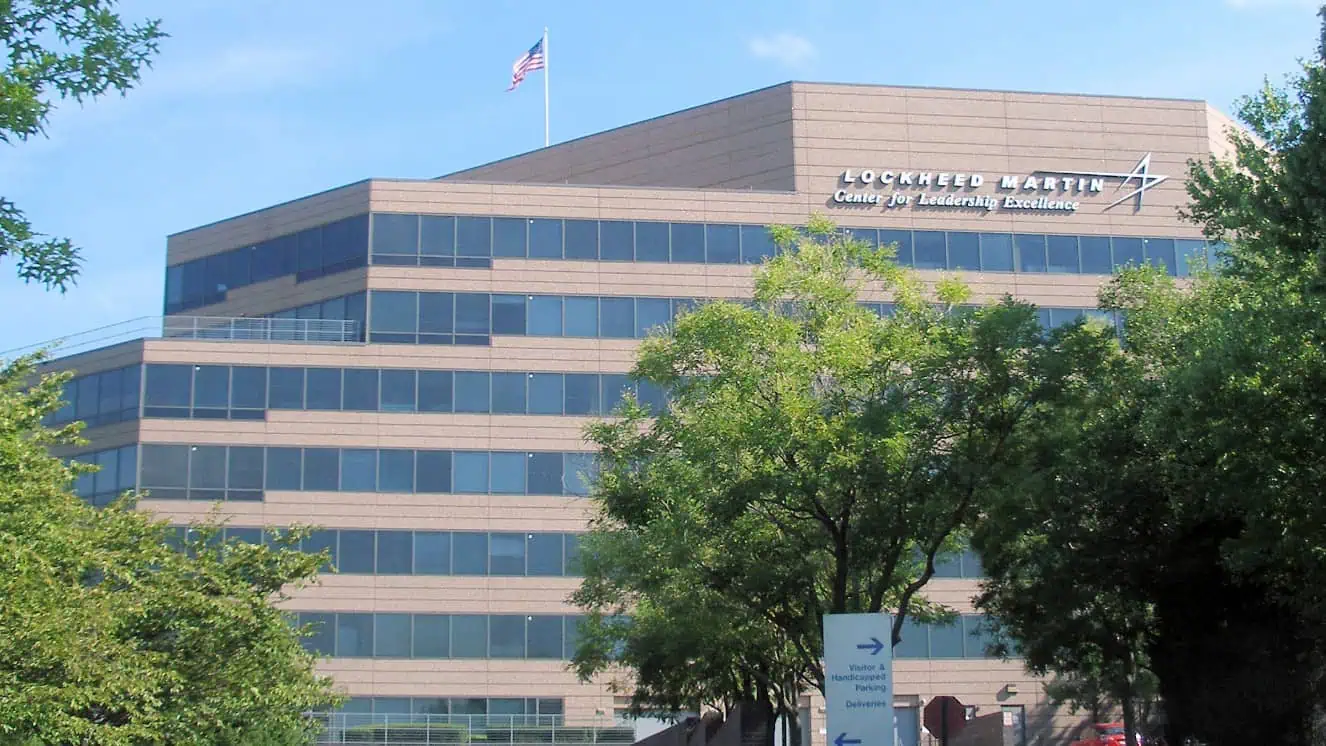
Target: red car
(1107, 734)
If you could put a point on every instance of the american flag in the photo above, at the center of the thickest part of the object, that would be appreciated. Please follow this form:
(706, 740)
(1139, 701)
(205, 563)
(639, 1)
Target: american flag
(527, 63)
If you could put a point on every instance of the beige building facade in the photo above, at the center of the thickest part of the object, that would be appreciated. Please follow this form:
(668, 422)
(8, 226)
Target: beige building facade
(409, 364)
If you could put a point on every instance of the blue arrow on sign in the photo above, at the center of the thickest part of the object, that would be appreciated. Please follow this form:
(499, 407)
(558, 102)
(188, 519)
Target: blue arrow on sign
(843, 740)
(874, 646)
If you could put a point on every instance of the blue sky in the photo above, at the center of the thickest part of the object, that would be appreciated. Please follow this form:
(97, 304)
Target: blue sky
(254, 102)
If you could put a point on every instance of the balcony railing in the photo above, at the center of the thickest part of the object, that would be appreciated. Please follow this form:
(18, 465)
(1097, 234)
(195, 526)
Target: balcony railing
(210, 328)
(481, 730)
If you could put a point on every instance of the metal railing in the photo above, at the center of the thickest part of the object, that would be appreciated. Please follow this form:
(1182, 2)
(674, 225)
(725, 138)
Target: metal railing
(210, 328)
(481, 730)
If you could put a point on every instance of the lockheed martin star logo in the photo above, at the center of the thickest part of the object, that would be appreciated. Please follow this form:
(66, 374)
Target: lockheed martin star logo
(1141, 173)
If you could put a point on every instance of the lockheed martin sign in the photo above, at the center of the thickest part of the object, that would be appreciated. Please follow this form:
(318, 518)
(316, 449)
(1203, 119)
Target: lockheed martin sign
(1039, 191)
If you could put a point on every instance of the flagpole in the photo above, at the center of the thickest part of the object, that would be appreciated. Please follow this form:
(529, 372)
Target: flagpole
(547, 63)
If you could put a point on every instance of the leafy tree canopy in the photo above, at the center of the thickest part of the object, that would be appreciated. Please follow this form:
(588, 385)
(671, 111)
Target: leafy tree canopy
(75, 50)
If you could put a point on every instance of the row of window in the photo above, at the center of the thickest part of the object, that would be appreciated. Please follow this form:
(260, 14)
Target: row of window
(553, 637)
(439, 240)
(468, 241)
(309, 254)
(435, 636)
(237, 473)
(103, 398)
(246, 392)
(496, 709)
(387, 552)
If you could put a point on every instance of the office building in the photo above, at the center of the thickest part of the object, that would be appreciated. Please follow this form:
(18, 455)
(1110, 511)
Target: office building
(410, 363)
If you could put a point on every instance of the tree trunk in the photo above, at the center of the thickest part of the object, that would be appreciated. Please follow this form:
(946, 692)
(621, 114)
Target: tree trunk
(1129, 706)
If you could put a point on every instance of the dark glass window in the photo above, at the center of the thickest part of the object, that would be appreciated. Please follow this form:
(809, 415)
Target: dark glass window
(1128, 251)
(472, 392)
(469, 553)
(1187, 255)
(321, 629)
(915, 641)
(395, 234)
(506, 636)
(391, 634)
(901, 241)
(544, 637)
(506, 473)
(996, 252)
(582, 316)
(211, 390)
(572, 641)
(1159, 252)
(651, 314)
(545, 238)
(361, 389)
(616, 387)
(580, 471)
(651, 395)
(508, 314)
(165, 468)
(321, 469)
(545, 315)
(469, 636)
(544, 474)
(245, 469)
(508, 393)
(248, 387)
(544, 551)
(322, 388)
(285, 469)
(869, 236)
(432, 636)
(964, 251)
(506, 554)
(207, 472)
(652, 242)
(687, 242)
(395, 553)
(474, 237)
(357, 552)
(359, 470)
(168, 386)
(437, 317)
(572, 555)
(978, 636)
(582, 239)
(320, 541)
(618, 317)
(509, 237)
(582, 393)
(354, 635)
(393, 312)
(432, 472)
(1031, 252)
(398, 392)
(396, 470)
(437, 238)
(928, 248)
(722, 244)
(432, 553)
(545, 393)
(756, 244)
(946, 640)
(1096, 255)
(473, 313)
(435, 390)
(616, 240)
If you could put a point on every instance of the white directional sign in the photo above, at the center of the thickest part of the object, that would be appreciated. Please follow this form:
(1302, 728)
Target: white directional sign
(858, 679)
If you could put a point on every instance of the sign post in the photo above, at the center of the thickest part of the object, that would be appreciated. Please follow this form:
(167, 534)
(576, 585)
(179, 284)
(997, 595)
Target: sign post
(858, 679)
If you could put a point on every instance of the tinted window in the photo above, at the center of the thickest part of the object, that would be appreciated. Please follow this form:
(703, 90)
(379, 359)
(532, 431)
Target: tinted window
(469, 554)
(1096, 255)
(651, 314)
(651, 242)
(469, 636)
(395, 234)
(508, 314)
(472, 313)
(545, 315)
(508, 391)
(284, 469)
(211, 387)
(432, 636)
(506, 636)
(437, 316)
(507, 473)
(1160, 252)
(616, 387)
(357, 552)
(544, 474)
(1127, 251)
(473, 237)
(618, 317)
(471, 472)
(544, 552)
(545, 393)
(964, 251)
(928, 248)
(996, 252)
(472, 393)
(321, 469)
(545, 239)
(506, 554)
(437, 236)
(395, 553)
(509, 237)
(582, 317)
(395, 470)
(391, 636)
(359, 470)
(393, 312)
(901, 242)
(286, 388)
(616, 240)
(582, 239)
(398, 393)
(322, 388)
(361, 389)
(723, 244)
(207, 472)
(249, 387)
(544, 635)
(321, 631)
(165, 466)
(435, 391)
(687, 242)
(354, 635)
(1031, 253)
(168, 386)
(915, 641)
(432, 472)
(946, 641)
(756, 244)
(432, 553)
(245, 469)
(582, 393)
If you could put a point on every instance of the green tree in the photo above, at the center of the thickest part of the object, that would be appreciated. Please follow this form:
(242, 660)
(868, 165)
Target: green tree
(75, 50)
(816, 457)
(109, 635)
